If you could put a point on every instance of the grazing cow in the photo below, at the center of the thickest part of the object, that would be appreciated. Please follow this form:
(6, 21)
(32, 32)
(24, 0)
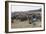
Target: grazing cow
(12, 18)
(30, 21)
(18, 17)
(39, 17)
(23, 18)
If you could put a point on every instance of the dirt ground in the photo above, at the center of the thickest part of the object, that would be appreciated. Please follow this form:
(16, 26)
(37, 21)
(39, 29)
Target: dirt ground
(25, 24)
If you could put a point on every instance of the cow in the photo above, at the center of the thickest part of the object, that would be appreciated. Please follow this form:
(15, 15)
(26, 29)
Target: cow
(23, 18)
(12, 19)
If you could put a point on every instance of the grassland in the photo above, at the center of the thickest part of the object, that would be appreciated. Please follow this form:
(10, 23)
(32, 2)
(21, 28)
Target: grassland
(25, 24)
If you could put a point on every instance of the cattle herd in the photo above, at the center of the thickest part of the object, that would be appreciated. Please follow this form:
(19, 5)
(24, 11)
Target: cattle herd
(29, 17)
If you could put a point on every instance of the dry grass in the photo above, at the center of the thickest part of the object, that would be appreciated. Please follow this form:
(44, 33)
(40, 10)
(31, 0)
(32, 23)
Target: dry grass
(25, 24)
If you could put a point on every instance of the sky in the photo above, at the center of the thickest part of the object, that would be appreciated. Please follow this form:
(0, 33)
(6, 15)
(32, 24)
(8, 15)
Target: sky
(24, 7)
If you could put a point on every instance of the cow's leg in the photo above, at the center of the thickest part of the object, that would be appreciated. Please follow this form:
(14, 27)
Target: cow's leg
(30, 21)
(12, 21)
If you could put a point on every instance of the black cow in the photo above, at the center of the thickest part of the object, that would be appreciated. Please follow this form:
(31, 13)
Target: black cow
(12, 18)
(23, 18)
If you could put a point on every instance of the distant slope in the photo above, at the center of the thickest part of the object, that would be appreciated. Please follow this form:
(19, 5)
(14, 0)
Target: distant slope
(25, 12)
